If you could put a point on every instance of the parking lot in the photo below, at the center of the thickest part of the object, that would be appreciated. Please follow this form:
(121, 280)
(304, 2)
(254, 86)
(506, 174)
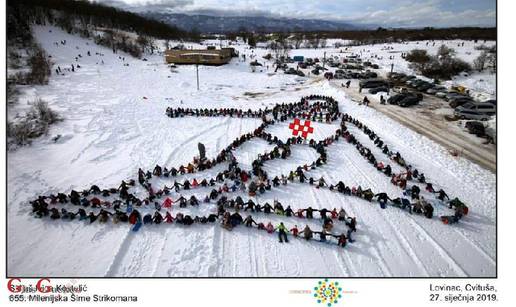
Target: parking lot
(429, 119)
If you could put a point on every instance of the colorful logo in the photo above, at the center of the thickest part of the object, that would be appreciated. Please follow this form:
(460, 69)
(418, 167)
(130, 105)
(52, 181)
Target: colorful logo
(328, 293)
(303, 128)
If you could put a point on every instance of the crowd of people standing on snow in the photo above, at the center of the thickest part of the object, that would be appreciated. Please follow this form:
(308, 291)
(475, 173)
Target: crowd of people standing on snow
(234, 179)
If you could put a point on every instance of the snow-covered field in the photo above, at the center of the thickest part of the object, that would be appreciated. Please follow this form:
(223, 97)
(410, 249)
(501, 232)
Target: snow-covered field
(115, 122)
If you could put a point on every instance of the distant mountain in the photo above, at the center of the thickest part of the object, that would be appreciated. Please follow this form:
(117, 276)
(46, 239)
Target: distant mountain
(224, 24)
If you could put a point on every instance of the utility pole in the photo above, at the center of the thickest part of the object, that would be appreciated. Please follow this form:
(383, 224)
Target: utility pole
(390, 85)
(324, 60)
(197, 70)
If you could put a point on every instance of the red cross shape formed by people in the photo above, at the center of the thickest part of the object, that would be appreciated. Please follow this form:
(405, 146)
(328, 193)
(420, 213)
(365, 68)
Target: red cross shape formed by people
(304, 128)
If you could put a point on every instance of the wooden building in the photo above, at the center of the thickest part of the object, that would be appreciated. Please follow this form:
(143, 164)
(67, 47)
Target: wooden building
(209, 56)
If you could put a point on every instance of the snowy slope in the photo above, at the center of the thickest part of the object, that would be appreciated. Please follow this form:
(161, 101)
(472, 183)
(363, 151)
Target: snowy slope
(110, 131)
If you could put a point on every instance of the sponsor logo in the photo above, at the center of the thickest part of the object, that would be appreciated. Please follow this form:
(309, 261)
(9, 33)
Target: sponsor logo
(327, 292)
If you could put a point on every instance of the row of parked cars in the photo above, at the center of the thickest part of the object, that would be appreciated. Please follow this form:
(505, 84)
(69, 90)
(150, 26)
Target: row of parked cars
(465, 106)
(402, 98)
(350, 74)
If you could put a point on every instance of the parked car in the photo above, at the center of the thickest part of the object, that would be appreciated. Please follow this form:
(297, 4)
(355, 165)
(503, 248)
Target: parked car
(400, 89)
(351, 66)
(399, 77)
(420, 85)
(460, 100)
(369, 64)
(300, 73)
(441, 94)
(371, 83)
(491, 101)
(395, 98)
(424, 86)
(405, 99)
(409, 100)
(315, 71)
(299, 58)
(291, 71)
(376, 90)
(352, 74)
(491, 134)
(452, 95)
(476, 128)
(339, 76)
(479, 111)
(368, 75)
(434, 90)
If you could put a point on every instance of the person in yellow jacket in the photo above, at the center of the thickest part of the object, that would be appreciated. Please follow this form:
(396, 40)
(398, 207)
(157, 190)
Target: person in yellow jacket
(282, 232)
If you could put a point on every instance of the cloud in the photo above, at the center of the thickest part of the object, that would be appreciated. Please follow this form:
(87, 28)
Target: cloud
(427, 14)
(387, 13)
(144, 5)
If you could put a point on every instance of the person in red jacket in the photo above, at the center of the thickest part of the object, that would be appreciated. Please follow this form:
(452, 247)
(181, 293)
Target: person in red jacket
(167, 203)
(95, 202)
(169, 218)
(294, 231)
(342, 239)
(243, 176)
(334, 213)
(269, 228)
(135, 217)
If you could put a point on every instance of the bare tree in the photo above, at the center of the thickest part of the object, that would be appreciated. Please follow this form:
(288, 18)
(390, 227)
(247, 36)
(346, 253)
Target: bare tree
(298, 40)
(323, 43)
(491, 61)
(480, 62)
(314, 40)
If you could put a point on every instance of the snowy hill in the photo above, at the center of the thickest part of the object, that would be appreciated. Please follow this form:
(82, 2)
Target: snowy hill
(114, 123)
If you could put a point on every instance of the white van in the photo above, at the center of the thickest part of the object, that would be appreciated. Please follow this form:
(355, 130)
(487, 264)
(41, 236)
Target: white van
(475, 110)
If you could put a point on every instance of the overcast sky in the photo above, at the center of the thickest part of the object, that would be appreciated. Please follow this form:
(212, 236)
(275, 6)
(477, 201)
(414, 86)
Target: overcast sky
(388, 13)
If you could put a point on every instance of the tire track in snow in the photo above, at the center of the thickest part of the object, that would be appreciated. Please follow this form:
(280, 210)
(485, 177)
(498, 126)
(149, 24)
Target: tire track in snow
(160, 255)
(383, 265)
(438, 163)
(119, 255)
(402, 239)
(477, 247)
(252, 254)
(445, 256)
(441, 250)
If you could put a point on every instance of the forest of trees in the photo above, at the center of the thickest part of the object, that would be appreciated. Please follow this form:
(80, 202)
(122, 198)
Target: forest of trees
(428, 33)
(378, 36)
(94, 14)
